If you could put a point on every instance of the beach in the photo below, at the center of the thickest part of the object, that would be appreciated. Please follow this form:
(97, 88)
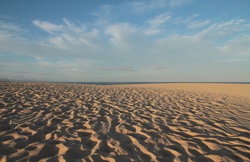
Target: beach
(142, 122)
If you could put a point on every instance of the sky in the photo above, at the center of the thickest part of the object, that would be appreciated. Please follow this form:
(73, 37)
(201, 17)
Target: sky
(125, 40)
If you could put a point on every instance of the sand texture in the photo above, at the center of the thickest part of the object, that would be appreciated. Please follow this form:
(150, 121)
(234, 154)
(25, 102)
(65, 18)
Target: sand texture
(172, 122)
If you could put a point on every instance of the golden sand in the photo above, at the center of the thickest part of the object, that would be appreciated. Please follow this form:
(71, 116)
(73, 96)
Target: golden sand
(161, 122)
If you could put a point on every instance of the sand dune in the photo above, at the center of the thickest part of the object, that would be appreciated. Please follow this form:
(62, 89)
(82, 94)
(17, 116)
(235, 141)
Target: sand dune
(170, 122)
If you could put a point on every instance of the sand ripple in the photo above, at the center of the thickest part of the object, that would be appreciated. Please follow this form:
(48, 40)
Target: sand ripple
(67, 122)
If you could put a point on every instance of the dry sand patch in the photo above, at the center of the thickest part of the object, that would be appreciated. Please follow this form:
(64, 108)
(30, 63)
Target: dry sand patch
(51, 122)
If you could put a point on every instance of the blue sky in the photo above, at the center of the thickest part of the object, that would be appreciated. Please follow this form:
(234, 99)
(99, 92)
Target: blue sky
(126, 40)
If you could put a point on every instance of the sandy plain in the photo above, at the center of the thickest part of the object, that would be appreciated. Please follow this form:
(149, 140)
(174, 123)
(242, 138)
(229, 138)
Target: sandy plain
(160, 122)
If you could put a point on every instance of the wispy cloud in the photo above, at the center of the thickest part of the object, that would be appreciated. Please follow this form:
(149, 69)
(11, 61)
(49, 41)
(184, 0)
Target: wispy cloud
(10, 30)
(45, 73)
(23, 72)
(161, 68)
(68, 34)
(175, 3)
(235, 60)
(104, 14)
(198, 24)
(120, 34)
(5, 26)
(147, 5)
(80, 64)
(55, 28)
(47, 26)
(160, 19)
(157, 23)
(226, 28)
(237, 46)
(118, 68)
(144, 6)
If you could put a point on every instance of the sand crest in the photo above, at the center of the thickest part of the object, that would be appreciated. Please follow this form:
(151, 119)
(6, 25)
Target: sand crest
(164, 122)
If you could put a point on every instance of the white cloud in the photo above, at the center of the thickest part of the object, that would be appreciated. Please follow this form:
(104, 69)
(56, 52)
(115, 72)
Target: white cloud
(198, 24)
(118, 69)
(185, 20)
(235, 60)
(59, 42)
(51, 27)
(156, 24)
(159, 19)
(222, 29)
(79, 64)
(10, 65)
(47, 26)
(68, 35)
(104, 14)
(120, 34)
(175, 3)
(232, 22)
(237, 46)
(160, 68)
(4, 26)
(44, 70)
(184, 48)
(142, 6)
(192, 22)
(8, 30)
(152, 31)
(22, 46)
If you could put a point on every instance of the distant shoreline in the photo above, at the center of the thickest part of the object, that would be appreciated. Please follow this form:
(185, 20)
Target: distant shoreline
(124, 83)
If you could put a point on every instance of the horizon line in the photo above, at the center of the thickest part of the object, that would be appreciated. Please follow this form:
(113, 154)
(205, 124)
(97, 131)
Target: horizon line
(124, 82)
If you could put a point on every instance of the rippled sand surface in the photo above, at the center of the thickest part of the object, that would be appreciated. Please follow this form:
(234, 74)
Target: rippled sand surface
(162, 122)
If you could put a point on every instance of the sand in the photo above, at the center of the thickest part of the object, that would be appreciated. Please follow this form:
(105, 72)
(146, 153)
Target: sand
(161, 122)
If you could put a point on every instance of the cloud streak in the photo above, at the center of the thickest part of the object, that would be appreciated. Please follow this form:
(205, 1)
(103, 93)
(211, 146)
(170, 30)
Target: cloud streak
(47, 26)
(145, 6)
(198, 24)
(118, 69)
